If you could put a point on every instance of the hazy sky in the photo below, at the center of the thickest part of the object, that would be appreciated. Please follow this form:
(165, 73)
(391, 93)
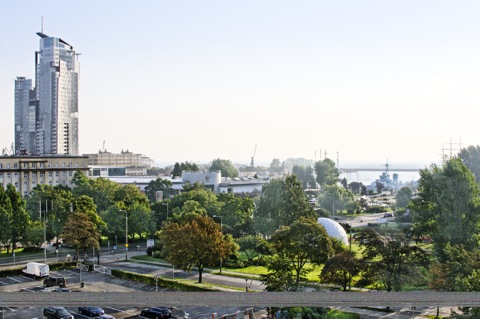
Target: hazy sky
(198, 80)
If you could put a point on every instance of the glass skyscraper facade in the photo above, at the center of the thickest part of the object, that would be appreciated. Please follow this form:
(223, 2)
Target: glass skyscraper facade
(53, 111)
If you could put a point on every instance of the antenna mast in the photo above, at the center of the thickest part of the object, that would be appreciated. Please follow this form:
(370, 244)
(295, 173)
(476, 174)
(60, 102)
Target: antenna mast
(42, 24)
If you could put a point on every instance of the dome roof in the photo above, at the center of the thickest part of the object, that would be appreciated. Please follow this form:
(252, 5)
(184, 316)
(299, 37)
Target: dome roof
(334, 229)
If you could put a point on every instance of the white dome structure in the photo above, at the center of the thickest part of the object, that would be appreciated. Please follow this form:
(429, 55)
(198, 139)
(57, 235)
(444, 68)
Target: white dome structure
(334, 229)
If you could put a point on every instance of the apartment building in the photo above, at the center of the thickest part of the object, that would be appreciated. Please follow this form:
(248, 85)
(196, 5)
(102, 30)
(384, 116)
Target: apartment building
(27, 171)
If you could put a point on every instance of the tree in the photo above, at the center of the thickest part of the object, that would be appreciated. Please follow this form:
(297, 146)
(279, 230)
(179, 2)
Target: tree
(403, 197)
(447, 207)
(253, 246)
(303, 241)
(305, 175)
(19, 217)
(210, 246)
(336, 198)
(80, 232)
(276, 166)
(225, 166)
(280, 276)
(341, 269)
(159, 185)
(470, 156)
(177, 170)
(237, 214)
(458, 272)
(391, 261)
(326, 172)
(6, 213)
(282, 202)
(205, 197)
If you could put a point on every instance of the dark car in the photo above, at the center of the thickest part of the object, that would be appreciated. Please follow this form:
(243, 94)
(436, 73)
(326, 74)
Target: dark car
(60, 289)
(56, 313)
(91, 311)
(50, 281)
(157, 313)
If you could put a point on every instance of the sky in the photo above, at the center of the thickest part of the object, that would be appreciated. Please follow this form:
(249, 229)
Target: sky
(364, 81)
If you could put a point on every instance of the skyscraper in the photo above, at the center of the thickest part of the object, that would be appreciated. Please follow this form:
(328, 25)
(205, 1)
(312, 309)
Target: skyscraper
(54, 110)
(25, 121)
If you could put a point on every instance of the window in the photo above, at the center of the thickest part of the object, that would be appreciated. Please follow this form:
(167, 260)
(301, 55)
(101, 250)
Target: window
(41, 174)
(15, 165)
(34, 175)
(34, 165)
(16, 175)
(50, 174)
(25, 165)
(25, 175)
(57, 174)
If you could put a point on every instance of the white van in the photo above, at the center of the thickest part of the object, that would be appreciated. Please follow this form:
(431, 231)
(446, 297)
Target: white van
(35, 270)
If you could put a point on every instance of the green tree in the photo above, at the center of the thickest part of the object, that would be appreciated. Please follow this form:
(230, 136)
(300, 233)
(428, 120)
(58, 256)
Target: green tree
(159, 185)
(253, 246)
(6, 215)
(305, 175)
(205, 197)
(403, 197)
(336, 198)
(276, 166)
(237, 214)
(225, 166)
(460, 271)
(282, 202)
(447, 206)
(470, 156)
(326, 172)
(392, 261)
(19, 218)
(177, 170)
(302, 242)
(210, 246)
(280, 276)
(341, 269)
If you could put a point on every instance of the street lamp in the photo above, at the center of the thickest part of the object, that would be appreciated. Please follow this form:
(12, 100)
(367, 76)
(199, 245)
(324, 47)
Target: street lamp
(166, 204)
(126, 234)
(44, 227)
(56, 252)
(221, 228)
(156, 281)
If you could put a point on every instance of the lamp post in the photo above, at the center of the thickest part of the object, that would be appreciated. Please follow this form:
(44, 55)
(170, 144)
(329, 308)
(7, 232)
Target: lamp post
(166, 204)
(221, 228)
(126, 235)
(44, 227)
(156, 282)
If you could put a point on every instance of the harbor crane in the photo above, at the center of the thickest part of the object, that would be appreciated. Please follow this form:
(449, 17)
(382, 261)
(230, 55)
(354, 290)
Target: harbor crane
(252, 163)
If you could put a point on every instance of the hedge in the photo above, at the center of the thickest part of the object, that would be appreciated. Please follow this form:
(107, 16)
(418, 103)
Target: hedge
(172, 283)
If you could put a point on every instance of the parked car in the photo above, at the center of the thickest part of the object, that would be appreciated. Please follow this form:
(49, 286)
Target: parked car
(157, 313)
(51, 281)
(105, 316)
(60, 289)
(91, 311)
(56, 313)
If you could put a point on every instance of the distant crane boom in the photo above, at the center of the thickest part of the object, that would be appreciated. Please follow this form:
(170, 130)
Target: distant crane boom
(252, 162)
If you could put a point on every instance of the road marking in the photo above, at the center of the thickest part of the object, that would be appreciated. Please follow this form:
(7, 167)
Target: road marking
(14, 279)
(117, 310)
(73, 272)
(3, 283)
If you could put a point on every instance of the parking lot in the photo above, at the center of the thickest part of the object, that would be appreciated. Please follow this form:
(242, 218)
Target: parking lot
(93, 282)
